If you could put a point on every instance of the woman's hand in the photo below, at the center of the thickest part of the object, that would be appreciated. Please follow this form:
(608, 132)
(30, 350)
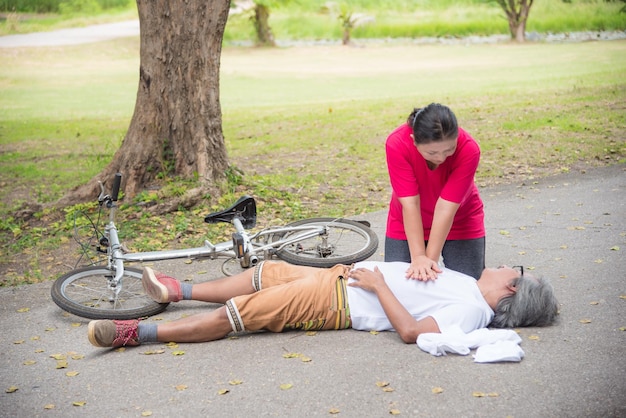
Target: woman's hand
(423, 269)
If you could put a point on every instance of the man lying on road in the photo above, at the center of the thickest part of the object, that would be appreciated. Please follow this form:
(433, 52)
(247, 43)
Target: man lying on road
(276, 296)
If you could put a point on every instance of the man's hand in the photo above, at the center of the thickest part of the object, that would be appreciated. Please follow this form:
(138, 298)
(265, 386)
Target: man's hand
(423, 269)
(367, 279)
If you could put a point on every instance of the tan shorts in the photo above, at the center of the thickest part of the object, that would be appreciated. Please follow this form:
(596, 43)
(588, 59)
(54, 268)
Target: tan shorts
(292, 297)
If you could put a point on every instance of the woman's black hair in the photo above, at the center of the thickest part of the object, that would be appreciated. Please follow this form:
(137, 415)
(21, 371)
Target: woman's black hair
(433, 123)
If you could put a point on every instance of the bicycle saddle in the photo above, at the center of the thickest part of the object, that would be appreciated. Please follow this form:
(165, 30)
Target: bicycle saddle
(244, 209)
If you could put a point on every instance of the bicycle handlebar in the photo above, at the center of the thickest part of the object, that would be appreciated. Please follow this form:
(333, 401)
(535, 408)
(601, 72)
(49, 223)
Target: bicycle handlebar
(117, 180)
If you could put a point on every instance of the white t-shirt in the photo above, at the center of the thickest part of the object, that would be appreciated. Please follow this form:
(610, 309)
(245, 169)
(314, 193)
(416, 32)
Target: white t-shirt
(453, 300)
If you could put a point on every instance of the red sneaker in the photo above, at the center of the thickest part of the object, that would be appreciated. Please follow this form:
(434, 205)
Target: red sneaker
(116, 333)
(160, 287)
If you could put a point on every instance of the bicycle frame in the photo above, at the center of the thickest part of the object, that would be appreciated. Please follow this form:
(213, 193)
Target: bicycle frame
(255, 245)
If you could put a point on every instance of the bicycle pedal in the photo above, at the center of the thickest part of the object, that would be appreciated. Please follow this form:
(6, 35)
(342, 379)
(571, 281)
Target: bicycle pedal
(238, 244)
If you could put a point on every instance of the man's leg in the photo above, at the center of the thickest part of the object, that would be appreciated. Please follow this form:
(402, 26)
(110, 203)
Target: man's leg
(198, 328)
(163, 288)
(203, 327)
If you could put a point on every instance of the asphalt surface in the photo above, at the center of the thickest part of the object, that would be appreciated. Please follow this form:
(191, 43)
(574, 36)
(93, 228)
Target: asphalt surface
(570, 228)
(73, 36)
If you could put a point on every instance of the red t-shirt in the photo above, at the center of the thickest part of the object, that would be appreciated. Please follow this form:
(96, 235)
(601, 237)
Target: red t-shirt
(453, 180)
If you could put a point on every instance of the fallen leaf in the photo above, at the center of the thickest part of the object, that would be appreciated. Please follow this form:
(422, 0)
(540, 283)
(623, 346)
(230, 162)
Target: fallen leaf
(172, 345)
(180, 387)
(50, 329)
(79, 403)
(493, 394)
(12, 389)
(76, 324)
(235, 382)
(310, 333)
(29, 362)
(21, 310)
(394, 411)
(291, 355)
(333, 411)
(58, 356)
(305, 359)
(437, 390)
(382, 384)
(479, 394)
(595, 302)
(146, 413)
(223, 391)
(18, 342)
(598, 261)
(150, 352)
(72, 374)
(374, 332)
(61, 364)
(286, 386)
(178, 353)
(533, 337)
(504, 232)
(585, 321)
(388, 389)
(615, 248)
(48, 406)
(563, 246)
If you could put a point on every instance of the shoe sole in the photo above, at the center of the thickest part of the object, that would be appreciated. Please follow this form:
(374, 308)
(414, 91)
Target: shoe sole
(91, 334)
(155, 289)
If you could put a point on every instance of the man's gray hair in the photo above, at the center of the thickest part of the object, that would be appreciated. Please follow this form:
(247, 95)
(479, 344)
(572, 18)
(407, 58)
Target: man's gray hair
(532, 305)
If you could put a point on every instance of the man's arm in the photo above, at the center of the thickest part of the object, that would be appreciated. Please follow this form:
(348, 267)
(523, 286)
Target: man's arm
(405, 325)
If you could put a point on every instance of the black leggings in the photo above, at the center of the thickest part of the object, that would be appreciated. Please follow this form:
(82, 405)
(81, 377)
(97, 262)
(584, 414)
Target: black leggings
(466, 256)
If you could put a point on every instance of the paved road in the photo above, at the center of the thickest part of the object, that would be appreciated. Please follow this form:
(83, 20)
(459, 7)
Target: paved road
(570, 228)
(72, 36)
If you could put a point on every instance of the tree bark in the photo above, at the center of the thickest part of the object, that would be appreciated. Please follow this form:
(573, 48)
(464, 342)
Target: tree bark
(176, 128)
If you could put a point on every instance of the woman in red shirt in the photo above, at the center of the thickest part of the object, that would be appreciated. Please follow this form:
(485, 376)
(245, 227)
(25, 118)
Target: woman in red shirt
(435, 209)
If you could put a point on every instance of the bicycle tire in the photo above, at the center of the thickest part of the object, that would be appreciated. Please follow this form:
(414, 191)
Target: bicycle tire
(350, 242)
(84, 292)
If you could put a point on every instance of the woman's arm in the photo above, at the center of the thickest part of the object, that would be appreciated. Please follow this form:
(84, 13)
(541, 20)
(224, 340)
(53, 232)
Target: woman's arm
(405, 325)
(442, 223)
(422, 267)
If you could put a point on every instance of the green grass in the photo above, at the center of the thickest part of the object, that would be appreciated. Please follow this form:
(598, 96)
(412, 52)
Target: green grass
(304, 126)
(311, 20)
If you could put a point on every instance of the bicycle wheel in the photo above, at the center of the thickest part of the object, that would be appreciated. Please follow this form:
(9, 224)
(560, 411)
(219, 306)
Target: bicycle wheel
(85, 292)
(345, 243)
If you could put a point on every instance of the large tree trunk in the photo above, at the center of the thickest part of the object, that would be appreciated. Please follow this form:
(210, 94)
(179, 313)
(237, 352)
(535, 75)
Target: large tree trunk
(517, 12)
(176, 129)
